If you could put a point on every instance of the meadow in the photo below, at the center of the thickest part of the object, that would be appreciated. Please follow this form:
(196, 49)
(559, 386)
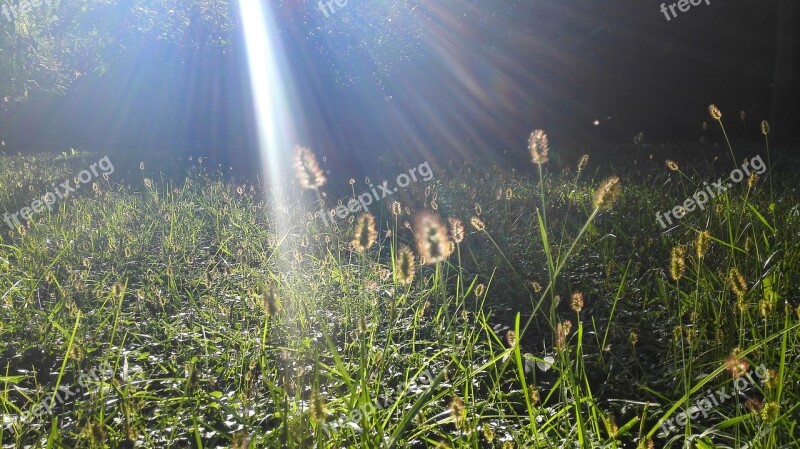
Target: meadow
(172, 304)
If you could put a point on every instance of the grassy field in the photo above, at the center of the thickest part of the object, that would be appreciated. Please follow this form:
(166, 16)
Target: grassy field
(482, 309)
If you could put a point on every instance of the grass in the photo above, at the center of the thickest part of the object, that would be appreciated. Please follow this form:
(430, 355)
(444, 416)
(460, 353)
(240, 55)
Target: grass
(221, 318)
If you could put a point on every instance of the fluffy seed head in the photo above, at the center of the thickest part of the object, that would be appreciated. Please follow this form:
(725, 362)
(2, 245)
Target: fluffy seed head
(672, 165)
(576, 303)
(404, 271)
(318, 410)
(270, 301)
(477, 223)
(539, 147)
(533, 393)
(366, 235)
(511, 338)
(738, 284)
(716, 114)
(702, 243)
(770, 412)
(583, 162)
(306, 168)
(456, 229)
(457, 410)
(677, 263)
(736, 366)
(431, 238)
(562, 331)
(752, 180)
(607, 193)
(488, 432)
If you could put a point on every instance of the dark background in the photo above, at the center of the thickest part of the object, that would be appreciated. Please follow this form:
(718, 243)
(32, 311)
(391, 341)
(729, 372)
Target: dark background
(441, 80)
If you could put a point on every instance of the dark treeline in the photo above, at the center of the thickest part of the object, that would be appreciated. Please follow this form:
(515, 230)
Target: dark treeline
(371, 79)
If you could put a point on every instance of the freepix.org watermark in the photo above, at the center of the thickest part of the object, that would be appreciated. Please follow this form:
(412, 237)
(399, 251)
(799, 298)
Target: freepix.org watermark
(702, 196)
(682, 5)
(714, 399)
(364, 200)
(330, 3)
(84, 383)
(49, 199)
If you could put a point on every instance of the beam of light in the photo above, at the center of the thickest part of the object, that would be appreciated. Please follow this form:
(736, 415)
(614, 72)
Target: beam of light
(274, 115)
(271, 100)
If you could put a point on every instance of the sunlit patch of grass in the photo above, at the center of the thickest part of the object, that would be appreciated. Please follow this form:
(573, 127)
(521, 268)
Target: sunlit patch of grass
(551, 310)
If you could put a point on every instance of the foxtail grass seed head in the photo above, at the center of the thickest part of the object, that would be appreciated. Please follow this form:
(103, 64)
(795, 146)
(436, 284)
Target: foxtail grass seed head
(753, 405)
(477, 223)
(672, 165)
(771, 381)
(562, 331)
(96, 433)
(431, 238)
(611, 425)
(583, 162)
(241, 440)
(539, 147)
(533, 394)
(456, 229)
(509, 193)
(480, 289)
(716, 114)
(405, 266)
(738, 284)
(765, 127)
(117, 289)
(488, 432)
(457, 410)
(752, 180)
(770, 412)
(307, 170)
(736, 365)
(317, 405)
(765, 307)
(677, 263)
(365, 233)
(576, 302)
(607, 193)
(646, 443)
(511, 338)
(702, 243)
(270, 301)
(397, 209)
(537, 287)
(478, 209)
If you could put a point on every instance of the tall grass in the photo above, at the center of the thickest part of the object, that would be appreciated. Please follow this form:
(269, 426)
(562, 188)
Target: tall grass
(563, 318)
